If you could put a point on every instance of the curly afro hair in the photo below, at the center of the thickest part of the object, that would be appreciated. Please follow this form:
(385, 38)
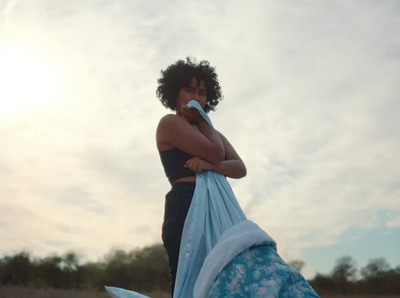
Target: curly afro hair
(180, 75)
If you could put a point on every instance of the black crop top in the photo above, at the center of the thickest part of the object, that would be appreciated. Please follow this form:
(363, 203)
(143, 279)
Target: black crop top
(173, 161)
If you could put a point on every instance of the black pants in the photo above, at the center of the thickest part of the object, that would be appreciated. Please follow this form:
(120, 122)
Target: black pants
(177, 203)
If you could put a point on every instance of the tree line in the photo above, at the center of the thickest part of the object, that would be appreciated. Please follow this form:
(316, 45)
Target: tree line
(142, 270)
(376, 278)
(146, 269)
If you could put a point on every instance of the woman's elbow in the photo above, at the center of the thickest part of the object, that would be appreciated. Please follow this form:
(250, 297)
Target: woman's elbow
(217, 156)
(239, 172)
(242, 172)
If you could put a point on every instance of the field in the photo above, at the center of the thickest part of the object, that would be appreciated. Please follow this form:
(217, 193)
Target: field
(27, 292)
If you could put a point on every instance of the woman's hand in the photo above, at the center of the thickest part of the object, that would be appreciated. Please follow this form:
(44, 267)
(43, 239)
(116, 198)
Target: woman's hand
(198, 165)
(191, 115)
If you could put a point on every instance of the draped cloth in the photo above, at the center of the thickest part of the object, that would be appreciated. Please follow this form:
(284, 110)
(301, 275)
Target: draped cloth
(215, 232)
(214, 210)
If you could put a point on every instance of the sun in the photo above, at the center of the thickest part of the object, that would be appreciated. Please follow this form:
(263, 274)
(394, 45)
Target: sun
(27, 81)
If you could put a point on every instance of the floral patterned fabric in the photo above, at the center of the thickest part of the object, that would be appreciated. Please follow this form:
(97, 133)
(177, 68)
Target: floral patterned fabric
(260, 272)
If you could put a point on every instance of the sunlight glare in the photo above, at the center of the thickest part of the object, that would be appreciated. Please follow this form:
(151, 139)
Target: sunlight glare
(27, 81)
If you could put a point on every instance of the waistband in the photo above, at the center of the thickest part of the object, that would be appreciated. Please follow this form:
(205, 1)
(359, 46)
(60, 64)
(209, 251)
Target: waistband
(183, 186)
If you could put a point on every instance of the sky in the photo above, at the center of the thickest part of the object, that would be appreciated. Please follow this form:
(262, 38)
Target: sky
(311, 104)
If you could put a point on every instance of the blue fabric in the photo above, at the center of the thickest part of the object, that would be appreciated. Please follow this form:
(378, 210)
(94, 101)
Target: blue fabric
(245, 263)
(235, 240)
(122, 293)
(260, 272)
(214, 209)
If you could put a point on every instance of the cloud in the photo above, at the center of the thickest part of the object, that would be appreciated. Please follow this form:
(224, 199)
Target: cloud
(311, 105)
(394, 223)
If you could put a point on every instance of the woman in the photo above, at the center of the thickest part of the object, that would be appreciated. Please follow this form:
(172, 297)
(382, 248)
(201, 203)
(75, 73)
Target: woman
(220, 252)
(189, 145)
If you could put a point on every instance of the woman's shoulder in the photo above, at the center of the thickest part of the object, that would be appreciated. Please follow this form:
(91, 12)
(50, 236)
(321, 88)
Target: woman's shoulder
(171, 121)
(168, 118)
(167, 125)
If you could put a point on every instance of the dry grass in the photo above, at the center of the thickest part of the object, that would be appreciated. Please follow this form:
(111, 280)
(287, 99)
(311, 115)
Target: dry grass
(27, 292)
(358, 296)
(30, 292)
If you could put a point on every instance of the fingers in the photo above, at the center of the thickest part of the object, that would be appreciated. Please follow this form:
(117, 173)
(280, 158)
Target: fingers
(185, 110)
(185, 114)
(190, 164)
(192, 115)
(196, 164)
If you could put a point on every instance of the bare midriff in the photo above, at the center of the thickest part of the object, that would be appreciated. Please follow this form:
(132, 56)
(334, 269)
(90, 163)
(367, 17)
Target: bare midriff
(185, 179)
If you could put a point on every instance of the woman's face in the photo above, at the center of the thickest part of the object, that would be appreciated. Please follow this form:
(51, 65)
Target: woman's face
(195, 91)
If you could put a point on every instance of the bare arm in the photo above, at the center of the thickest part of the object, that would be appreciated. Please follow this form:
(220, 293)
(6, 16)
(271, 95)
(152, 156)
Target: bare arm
(232, 167)
(178, 132)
